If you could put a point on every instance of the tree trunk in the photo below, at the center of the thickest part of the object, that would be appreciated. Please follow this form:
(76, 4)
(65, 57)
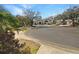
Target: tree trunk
(63, 21)
(31, 23)
(73, 22)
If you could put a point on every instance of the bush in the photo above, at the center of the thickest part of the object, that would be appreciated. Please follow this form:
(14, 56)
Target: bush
(8, 44)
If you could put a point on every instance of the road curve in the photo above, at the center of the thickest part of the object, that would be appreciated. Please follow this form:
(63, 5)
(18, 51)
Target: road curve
(62, 36)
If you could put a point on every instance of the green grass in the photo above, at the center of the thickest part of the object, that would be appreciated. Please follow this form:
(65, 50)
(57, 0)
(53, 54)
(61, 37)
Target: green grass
(34, 50)
(30, 47)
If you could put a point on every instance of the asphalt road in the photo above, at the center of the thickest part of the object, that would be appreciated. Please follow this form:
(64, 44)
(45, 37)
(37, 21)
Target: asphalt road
(67, 36)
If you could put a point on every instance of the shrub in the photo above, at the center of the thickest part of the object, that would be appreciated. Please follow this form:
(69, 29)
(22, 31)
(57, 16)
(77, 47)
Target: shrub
(8, 44)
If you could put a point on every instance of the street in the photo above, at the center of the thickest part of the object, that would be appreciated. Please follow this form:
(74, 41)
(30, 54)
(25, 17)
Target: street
(67, 37)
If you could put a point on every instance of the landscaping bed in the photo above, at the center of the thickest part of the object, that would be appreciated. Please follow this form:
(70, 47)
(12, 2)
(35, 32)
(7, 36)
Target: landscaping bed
(30, 47)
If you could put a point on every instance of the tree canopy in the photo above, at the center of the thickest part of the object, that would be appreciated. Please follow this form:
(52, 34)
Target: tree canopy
(7, 20)
(71, 13)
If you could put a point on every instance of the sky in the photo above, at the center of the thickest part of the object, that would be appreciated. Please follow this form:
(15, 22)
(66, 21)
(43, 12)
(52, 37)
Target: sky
(46, 10)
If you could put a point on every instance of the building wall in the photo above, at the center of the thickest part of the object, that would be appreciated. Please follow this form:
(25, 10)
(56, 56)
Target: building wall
(42, 22)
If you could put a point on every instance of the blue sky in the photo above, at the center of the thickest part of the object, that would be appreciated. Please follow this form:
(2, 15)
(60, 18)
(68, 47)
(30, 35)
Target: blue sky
(45, 10)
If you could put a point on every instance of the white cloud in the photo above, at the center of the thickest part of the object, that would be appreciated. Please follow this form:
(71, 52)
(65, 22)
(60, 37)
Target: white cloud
(26, 6)
(18, 11)
(15, 10)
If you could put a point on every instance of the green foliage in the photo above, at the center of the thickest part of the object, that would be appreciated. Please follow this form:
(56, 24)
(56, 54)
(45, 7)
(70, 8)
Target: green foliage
(71, 13)
(7, 42)
(8, 21)
(24, 21)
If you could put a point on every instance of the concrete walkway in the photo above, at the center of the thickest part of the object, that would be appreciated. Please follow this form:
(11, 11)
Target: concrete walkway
(50, 50)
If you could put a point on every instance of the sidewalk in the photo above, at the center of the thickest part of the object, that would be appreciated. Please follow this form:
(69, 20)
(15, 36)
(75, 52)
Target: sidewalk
(51, 50)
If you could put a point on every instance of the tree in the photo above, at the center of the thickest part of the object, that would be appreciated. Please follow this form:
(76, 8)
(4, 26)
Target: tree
(31, 15)
(7, 42)
(73, 14)
(8, 21)
(61, 17)
(24, 21)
